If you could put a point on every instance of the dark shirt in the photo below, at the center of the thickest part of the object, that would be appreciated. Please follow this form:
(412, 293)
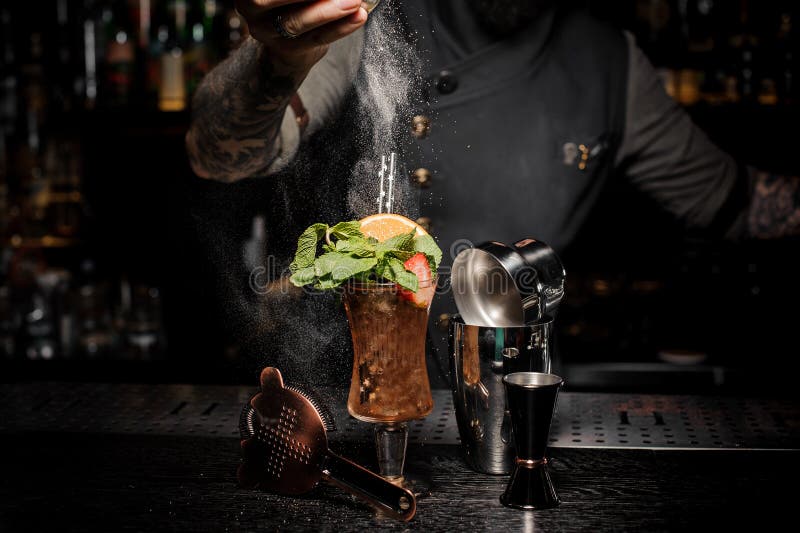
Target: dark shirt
(651, 142)
(662, 153)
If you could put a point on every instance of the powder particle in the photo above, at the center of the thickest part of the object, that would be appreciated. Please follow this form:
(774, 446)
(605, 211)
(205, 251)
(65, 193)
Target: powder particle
(389, 73)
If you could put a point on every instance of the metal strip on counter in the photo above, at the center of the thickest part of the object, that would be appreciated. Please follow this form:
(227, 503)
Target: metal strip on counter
(583, 420)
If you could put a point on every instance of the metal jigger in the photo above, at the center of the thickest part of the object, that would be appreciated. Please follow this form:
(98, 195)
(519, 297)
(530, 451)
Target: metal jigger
(531, 402)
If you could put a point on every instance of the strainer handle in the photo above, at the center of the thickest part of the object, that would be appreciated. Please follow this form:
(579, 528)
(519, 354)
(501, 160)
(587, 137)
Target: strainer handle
(390, 499)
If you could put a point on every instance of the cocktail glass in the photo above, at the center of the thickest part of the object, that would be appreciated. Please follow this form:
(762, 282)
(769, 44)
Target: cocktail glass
(389, 385)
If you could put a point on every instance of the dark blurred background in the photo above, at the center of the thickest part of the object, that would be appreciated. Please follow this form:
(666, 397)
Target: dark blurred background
(105, 276)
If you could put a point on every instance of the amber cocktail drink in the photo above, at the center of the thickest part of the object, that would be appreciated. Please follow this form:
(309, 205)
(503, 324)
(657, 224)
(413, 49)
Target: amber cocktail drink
(389, 383)
(390, 380)
(385, 264)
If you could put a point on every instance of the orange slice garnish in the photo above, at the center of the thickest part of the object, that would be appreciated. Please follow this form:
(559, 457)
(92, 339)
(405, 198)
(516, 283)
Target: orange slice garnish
(383, 226)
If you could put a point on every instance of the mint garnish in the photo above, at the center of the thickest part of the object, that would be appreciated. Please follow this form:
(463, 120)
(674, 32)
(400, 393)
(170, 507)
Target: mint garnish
(328, 256)
(307, 247)
(426, 245)
(392, 269)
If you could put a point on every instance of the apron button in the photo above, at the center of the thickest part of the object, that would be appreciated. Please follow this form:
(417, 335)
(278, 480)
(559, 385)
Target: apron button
(425, 222)
(420, 126)
(446, 82)
(422, 178)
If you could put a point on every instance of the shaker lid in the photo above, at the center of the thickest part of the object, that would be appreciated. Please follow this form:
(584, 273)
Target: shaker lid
(497, 285)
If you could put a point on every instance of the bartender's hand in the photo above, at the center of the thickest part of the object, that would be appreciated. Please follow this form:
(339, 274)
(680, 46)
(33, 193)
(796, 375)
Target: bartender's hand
(238, 109)
(315, 23)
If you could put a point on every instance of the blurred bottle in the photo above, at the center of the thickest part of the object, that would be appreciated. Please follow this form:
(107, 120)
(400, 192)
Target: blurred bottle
(687, 60)
(201, 54)
(23, 268)
(53, 298)
(156, 45)
(657, 26)
(64, 51)
(141, 16)
(236, 30)
(120, 56)
(172, 88)
(775, 55)
(29, 165)
(97, 15)
(8, 75)
(215, 26)
(701, 74)
(64, 310)
(744, 43)
(65, 209)
(700, 27)
(95, 333)
(143, 332)
(658, 29)
(5, 215)
(40, 315)
(38, 333)
(34, 88)
(95, 337)
(768, 92)
(9, 324)
(689, 82)
(89, 55)
(785, 47)
(704, 50)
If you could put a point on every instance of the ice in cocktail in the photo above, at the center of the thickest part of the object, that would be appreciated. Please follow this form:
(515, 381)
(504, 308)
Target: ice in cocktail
(390, 379)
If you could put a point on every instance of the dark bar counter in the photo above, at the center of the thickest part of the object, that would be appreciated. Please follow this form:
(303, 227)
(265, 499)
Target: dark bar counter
(80, 457)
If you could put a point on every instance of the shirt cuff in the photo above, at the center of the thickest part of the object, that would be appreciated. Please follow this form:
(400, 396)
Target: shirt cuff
(287, 142)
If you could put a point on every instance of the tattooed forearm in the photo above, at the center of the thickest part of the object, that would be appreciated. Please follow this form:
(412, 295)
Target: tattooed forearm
(775, 206)
(237, 114)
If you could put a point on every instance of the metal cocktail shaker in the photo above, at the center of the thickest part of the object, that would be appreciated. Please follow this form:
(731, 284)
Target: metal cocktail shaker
(506, 297)
(479, 357)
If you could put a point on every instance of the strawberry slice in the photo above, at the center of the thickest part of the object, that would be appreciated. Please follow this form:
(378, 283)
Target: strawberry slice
(418, 264)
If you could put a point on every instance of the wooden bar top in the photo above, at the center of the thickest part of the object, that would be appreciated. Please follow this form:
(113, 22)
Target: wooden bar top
(72, 479)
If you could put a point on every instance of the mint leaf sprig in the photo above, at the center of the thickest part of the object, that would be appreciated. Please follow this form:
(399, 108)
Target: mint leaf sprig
(328, 256)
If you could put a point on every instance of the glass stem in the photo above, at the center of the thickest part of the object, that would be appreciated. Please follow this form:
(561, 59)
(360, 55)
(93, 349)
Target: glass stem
(390, 441)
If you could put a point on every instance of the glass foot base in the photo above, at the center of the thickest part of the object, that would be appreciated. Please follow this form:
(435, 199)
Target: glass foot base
(418, 486)
(391, 440)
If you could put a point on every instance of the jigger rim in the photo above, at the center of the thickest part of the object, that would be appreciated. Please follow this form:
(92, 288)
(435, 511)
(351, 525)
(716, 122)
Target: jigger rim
(532, 380)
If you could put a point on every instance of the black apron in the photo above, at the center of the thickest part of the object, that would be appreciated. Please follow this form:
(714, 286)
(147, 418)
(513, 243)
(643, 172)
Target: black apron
(509, 126)
(509, 123)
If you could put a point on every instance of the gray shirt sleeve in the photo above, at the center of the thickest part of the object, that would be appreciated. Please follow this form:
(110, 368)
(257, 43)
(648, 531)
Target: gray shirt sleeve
(666, 156)
(322, 93)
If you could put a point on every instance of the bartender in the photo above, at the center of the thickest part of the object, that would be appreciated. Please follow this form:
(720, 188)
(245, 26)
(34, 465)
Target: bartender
(526, 112)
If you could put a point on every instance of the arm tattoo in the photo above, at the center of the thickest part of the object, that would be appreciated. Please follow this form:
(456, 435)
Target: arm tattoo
(236, 116)
(775, 206)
